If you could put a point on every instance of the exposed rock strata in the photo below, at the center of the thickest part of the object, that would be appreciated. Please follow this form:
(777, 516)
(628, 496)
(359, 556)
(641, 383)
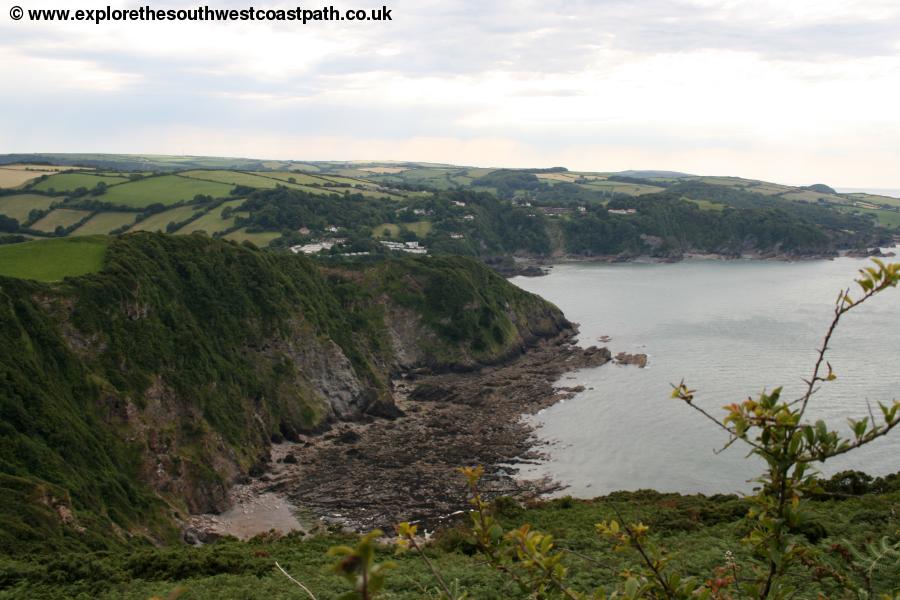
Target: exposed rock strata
(376, 474)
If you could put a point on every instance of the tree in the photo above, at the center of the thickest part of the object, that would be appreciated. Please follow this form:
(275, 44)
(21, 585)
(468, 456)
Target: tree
(775, 430)
(8, 224)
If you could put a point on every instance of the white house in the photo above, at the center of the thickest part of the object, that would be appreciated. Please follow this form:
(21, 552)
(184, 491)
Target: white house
(408, 247)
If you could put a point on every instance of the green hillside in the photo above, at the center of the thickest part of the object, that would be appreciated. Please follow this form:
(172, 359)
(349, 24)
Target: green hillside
(699, 531)
(142, 390)
(446, 208)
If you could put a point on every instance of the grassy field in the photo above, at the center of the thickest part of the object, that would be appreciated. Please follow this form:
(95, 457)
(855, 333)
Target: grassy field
(104, 222)
(462, 180)
(13, 178)
(42, 168)
(386, 230)
(887, 218)
(476, 173)
(633, 189)
(64, 217)
(123, 174)
(808, 196)
(736, 182)
(270, 180)
(301, 166)
(300, 178)
(213, 222)
(368, 193)
(20, 205)
(384, 170)
(66, 182)
(288, 164)
(564, 177)
(52, 260)
(347, 180)
(875, 199)
(166, 189)
(261, 239)
(264, 181)
(437, 178)
(360, 173)
(236, 178)
(768, 189)
(160, 221)
(420, 228)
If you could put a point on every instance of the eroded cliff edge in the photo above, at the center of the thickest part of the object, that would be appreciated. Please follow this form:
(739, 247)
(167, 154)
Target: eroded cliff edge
(141, 393)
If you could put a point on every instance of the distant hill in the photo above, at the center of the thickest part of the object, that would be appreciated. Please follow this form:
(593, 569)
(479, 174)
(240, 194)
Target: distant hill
(449, 209)
(819, 187)
(644, 174)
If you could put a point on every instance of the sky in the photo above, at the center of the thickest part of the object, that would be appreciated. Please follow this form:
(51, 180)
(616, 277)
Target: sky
(793, 91)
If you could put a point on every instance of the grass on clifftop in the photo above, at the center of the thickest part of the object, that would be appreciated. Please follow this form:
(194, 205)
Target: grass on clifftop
(54, 259)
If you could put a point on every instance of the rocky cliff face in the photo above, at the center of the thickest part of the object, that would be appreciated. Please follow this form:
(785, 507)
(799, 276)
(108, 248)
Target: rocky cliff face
(174, 368)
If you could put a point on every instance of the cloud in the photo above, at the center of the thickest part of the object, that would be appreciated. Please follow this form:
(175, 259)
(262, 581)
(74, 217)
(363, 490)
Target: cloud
(550, 81)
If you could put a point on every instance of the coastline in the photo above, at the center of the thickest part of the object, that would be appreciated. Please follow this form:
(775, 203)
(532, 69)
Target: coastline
(538, 267)
(373, 474)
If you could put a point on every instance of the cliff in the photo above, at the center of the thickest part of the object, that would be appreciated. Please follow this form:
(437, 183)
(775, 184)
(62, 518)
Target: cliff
(139, 394)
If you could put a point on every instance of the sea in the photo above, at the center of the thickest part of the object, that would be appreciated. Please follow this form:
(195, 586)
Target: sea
(730, 329)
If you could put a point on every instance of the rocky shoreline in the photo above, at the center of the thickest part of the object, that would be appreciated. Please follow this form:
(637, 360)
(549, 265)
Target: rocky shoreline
(364, 475)
(536, 267)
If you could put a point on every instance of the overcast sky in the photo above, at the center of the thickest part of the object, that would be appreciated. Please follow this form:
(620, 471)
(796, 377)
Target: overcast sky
(795, 91)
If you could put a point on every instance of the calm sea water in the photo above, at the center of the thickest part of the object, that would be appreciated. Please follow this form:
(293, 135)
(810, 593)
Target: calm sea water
(730, 329)
(893, 192)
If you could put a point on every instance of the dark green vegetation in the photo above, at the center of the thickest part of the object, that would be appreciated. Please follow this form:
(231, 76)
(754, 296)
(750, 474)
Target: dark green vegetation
(145, 389)
(480, 212)
(744, 222)
(698, 530)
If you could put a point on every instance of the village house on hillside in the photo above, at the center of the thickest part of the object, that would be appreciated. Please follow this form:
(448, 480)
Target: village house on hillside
(318, 246)
(555, 210)
(408, 247)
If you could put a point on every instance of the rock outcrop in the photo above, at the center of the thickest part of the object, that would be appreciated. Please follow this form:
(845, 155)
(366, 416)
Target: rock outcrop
(638, 360)
(151, 387)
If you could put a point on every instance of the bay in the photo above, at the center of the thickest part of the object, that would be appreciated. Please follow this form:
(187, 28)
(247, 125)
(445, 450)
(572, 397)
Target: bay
(730, 329)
